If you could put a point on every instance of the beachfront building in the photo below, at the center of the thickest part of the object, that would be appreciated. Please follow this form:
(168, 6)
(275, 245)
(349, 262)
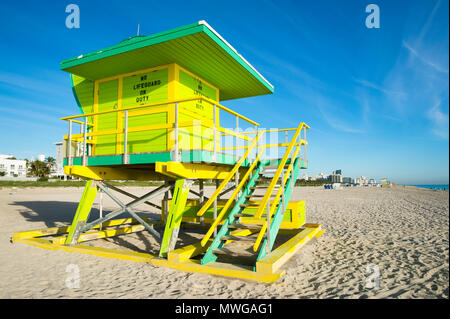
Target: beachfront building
(12, 167)
(336, 178)
(57, 169)
(347, 180)
(362, 180)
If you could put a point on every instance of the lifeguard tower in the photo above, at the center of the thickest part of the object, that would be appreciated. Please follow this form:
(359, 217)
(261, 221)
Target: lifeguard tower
(151, 111)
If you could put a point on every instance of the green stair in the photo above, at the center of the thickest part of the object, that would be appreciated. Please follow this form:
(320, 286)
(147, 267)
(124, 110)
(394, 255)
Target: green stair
(232, 221)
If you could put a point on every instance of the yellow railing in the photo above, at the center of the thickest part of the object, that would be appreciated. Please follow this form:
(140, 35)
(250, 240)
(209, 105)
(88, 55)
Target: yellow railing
(87, 137)
(213, 198)
(265, 203)
(295, 142)
(212, 102)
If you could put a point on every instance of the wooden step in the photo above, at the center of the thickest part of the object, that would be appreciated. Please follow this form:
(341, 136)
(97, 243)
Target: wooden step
(248, 205)
(227, 251)
(263, 187)
(243, 215)
(242, 226)
(238, 238)
(258, 195)
(268, 181)
(272, 167)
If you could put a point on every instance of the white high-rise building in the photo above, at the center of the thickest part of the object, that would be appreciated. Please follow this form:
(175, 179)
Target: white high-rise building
(58, 168)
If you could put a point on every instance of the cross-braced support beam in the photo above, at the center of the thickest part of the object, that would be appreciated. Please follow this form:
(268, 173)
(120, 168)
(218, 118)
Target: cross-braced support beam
(131, 195)
(79, 223)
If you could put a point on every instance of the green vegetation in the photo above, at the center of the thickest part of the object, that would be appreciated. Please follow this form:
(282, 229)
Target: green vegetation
(41, 184)
(71, 183)
(39, 169)
(302, 182)
(45, 182)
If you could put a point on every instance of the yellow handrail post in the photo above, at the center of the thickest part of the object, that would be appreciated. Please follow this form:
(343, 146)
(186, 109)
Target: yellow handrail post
(268, 226)
(305, 144)
(215, 208)
(215, 134)
(84, 142)
(125, 139)
(69, 144)
(236, 176)
(176, 158)
(257, 144)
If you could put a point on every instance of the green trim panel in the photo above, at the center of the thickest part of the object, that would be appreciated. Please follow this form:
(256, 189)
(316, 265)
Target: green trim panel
(150, 158)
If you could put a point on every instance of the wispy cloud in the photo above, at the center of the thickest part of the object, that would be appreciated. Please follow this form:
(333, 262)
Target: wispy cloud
(427, 25)
(379, 88)
(421, 73)
(30, 116)
(330, 115)
(52, 86)
(424, 60)
(439, 120)
(26, 104)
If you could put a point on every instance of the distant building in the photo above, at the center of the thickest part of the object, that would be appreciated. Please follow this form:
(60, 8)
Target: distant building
(336, 178)
(41, 157)
(13, 167)
(363, 180)
(58, 168)
(347, 180)
(311, 178)
(337, 172)
(322, 177)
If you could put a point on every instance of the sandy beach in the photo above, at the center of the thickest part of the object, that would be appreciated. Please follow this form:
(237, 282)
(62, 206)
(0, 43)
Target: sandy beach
(400, 233)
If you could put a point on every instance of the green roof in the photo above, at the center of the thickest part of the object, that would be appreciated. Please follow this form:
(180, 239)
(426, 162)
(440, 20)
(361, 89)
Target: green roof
(196, 47)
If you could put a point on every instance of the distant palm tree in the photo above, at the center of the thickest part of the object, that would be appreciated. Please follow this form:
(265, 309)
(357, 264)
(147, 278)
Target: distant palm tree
(39, 169)
(51, 160)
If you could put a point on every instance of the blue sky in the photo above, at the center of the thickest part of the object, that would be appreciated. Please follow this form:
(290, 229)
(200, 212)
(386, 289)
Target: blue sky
(377, 100)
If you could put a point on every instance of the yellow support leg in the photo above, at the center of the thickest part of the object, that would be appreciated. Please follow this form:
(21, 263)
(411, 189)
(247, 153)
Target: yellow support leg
(83, 210)
(172, 228)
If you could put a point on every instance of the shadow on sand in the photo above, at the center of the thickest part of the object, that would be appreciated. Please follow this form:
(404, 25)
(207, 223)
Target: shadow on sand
(55, 213)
